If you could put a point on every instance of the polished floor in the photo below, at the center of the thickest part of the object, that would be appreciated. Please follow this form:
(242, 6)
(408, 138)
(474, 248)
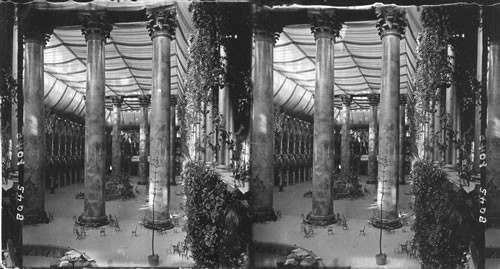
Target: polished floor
(344, 247)
(117, 248)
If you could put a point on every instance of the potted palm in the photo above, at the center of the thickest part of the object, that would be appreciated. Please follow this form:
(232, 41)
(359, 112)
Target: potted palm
(153, 259)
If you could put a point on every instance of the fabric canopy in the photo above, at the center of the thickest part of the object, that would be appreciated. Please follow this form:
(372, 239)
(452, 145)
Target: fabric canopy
(128, 61)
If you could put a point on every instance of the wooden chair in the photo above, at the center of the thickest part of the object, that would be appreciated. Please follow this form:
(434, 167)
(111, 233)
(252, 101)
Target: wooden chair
(306, 233)
(75, 228)
(82, 231)
(330, 230)
(78, 235)
(102, 232)
(134, 232)
(344, 225)
(176, 248)
(362, 231)
(117, 226)
(311, 229)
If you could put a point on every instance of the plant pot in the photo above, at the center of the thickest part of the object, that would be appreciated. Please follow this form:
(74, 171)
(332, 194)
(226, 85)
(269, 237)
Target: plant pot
(153, 260)
(381, 258)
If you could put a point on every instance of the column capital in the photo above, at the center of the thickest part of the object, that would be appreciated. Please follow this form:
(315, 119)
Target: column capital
(346, 99)
(117, 100)
(95, 26)
(265, 26)
(36, 28)
(144, 100)
(391, 21)
(162, 21)
(325, 24)
(173, 100)
(373, 99)
(403, 99)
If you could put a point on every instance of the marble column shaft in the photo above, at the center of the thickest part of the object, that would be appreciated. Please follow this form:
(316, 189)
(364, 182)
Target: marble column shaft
(262, 141)
(391, 29)
(33, 130)
(346, 135)
(116, 153)
(493, 123)
(173, 137)
(95, 30)
(226, 110)
(325, 29)
(161, 29)
(402, 136)
(437, 135)
(144, 138)
(373, 138)
(451, 111)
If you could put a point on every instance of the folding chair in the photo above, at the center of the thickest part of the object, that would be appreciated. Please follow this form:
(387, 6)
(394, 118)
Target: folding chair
(362, 231)
(134, 232)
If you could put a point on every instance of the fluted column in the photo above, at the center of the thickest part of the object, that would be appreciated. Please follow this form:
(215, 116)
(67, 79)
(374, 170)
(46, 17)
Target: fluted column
(391, 26)
(33, 128)
(144, 102)
(325, 28)
(346, 134)
(96, 30)
(493, 121)
(116, 153)
(173, 135)
(261, 133)
(161, 29)
(373, 100)
(402, 135)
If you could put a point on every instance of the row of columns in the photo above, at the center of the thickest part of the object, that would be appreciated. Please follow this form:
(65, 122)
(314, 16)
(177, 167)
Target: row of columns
(325, 27)
(96, 29)
(293, 151)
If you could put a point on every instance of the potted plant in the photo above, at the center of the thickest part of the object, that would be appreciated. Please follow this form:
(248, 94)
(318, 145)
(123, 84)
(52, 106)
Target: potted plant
(381, 257)
(153, 259)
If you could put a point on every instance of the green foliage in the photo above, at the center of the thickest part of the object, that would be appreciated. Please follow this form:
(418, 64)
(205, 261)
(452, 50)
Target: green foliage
(444, 26)
(437, 229)
(214, 217)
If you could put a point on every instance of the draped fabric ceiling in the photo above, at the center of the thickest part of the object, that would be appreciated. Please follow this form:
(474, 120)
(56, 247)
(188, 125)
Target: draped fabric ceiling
(128, 61)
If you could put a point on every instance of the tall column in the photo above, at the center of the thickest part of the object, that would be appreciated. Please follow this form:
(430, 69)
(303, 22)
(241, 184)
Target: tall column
(162, 23)
(346, 135)
(373, 100)
(402, 135)
(437, 135)
(96, 30)
(391, 26)
(493, 122)
(210, 129)
(173, 136)
(144, 102)
(325, 28)
(33, 128)
(261, 130)
(226, 110)
(479, 77)
(116, 153)
(451, 102)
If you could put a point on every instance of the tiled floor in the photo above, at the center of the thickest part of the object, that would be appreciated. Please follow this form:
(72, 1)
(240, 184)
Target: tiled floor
(116, 248)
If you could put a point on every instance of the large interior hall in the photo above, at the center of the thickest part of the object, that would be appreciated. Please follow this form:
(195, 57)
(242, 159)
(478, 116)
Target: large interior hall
(280, 134)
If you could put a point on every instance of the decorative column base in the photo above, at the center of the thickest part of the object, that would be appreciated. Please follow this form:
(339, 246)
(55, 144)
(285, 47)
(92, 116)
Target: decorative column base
(320, 220)
(39, 218)
(92, 221)
(263, 215)
(161, 221)
(389, 220)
